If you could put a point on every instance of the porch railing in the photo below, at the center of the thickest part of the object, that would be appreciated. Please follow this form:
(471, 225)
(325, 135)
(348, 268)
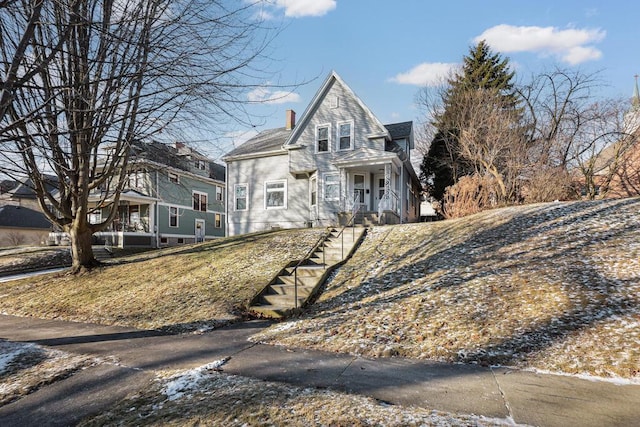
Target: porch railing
(390, 202)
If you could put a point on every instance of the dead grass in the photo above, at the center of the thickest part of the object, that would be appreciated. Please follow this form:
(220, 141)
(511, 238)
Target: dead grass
(24, 368)
(553, 287)
(217, 399)
(182, 287)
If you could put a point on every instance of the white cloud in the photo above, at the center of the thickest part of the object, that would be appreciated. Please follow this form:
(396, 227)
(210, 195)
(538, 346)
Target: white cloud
(300, 8)
(571, 45)
(426, 74)
(268, 96)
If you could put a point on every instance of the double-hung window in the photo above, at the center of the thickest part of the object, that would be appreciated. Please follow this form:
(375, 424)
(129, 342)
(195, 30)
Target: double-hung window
(275, 194)
(345, 135)
(323, 140)
(332, 186)
(173, 216)
(218, 220)
(218, 193)
(199, 201)
(241, 194)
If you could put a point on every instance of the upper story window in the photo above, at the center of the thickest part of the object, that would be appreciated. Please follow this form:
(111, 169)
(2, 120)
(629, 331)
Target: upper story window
(275, 194)
(332, 186)
(174, 178)
(322, 138)
(137, 178)
(201, 165)
(199, 201)
(241, 199)
(345, 135)
(219, 193)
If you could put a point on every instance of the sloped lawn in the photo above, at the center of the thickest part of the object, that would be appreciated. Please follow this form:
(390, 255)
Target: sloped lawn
(553, 286)
(180, 288)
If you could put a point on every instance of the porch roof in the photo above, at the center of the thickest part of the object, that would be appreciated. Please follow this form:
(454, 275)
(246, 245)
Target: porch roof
(367, 156)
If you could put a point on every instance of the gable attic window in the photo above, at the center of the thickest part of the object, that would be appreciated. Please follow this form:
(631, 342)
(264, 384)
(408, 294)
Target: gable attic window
(345, 135)
(322, 138)
(199, 201)
(174, 178)
(200, 165)
(275, 194)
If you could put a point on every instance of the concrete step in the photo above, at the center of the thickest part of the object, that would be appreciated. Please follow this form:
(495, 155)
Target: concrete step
(302, 280)
(283, 300)
(303, 291)
(101, 253)
(270, 311)
(308, 270)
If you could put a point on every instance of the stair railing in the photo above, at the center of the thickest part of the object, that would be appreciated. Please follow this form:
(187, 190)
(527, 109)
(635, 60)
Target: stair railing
(319, 242)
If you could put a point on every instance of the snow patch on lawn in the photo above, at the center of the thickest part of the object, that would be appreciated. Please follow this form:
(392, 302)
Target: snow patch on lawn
(186, 383)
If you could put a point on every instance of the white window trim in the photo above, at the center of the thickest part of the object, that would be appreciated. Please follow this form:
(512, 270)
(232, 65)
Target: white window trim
(235, 199)
(274, 181)
(220, 193)
(329, 137)
(177, 217)
(217, 220)
(324, 186)
(351, 135)
(200, 193)
(314, 180)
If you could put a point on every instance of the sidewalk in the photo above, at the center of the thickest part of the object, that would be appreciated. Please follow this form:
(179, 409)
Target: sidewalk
(527, 398)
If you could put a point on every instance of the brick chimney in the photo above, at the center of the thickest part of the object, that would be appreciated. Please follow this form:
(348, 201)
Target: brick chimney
(291, 120)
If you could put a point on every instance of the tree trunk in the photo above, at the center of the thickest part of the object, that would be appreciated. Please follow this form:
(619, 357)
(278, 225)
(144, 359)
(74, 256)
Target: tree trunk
(81, 250)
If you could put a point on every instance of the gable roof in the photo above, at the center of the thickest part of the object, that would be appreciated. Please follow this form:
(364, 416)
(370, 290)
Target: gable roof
(269, 141)
(21, 217)
(317, 99)
(165, 154)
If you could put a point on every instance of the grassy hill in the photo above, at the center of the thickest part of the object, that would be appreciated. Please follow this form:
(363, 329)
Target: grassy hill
(551, 286)
(184, 287)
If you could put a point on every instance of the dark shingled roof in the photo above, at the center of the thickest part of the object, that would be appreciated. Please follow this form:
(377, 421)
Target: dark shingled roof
(268, 140)
(165, 154)
(399, 130)
(21, 217)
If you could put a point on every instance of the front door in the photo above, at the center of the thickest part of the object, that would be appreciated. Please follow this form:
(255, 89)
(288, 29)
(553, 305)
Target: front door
(379, 190)
(199, 230)
(360, 192)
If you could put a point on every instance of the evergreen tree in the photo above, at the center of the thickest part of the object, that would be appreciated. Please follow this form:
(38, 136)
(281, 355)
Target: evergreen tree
(482, 69)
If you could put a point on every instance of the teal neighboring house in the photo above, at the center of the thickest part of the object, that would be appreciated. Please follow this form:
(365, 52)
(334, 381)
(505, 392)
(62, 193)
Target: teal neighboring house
(174, 195)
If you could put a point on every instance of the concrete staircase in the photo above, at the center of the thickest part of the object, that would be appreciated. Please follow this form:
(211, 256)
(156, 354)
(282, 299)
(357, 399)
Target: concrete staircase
(280, 297)
(101, 253)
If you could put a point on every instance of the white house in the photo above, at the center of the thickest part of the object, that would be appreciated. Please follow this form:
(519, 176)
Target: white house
(338, 159)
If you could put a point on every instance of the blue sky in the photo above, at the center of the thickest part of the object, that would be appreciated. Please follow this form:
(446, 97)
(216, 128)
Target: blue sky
(387, 50)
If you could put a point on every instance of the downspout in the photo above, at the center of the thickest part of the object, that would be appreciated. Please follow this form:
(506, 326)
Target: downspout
(226, 200)
(156, 226)
(402, 190)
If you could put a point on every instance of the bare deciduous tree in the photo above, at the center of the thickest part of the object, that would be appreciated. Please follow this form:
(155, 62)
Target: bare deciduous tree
(83, 79)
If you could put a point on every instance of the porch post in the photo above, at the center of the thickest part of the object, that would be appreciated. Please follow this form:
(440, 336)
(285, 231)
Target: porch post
(343, 189)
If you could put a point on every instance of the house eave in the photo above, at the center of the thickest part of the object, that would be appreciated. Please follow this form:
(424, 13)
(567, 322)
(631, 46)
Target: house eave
(279, 152)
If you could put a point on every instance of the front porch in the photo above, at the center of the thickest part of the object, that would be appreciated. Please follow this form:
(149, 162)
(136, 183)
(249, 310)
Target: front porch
(369, 218)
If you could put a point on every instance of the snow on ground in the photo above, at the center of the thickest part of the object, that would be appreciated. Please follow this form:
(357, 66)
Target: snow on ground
(552, 286)
(205, 396)
(26, 367)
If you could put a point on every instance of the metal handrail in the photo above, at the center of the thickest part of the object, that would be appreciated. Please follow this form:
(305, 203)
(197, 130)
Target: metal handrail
(354, 211)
